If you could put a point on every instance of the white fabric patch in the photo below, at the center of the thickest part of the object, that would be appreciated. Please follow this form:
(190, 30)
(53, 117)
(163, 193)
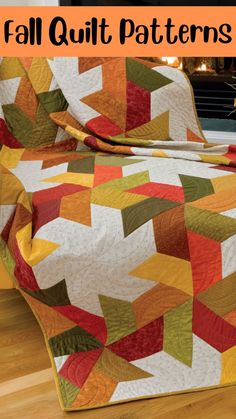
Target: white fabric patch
(31, 175)
(228, 256)
(5, 213)
(60, 361)
(171, 375)
(96, 260)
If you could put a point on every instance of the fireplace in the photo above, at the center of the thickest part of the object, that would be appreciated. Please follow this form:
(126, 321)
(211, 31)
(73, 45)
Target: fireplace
(214, 83)
(147, 3)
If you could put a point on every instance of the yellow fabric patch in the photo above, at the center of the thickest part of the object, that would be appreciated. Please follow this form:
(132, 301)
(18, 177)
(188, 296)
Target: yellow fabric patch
(35, 250)
(168, 270)
(24, 200)
(115, 198)
(159, 153)
(11, 188)
(228, 366)
(79, 135)
(10, 68)
(10, 158)
(83, 179)
(216, 159)
(40, 75)
(5, 280)
(224, 182)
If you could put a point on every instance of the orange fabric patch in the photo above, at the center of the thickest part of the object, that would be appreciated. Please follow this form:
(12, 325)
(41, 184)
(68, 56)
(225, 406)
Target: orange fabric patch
(98, 389)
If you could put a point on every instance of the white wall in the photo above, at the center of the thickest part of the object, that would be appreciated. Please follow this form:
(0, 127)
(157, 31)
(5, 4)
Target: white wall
(29, 2)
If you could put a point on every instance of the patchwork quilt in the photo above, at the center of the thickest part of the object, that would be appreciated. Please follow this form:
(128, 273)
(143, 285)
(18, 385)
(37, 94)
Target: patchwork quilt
(118, 226)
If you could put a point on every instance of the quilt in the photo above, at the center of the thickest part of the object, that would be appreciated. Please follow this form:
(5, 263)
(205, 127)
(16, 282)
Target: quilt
(118, 226)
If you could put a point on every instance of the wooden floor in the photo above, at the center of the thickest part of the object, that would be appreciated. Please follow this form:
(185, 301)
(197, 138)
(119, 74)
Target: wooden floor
(27, 389)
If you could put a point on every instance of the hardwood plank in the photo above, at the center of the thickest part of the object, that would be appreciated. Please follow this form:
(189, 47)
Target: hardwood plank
(27, 389)
(20, 338)
(27, 381)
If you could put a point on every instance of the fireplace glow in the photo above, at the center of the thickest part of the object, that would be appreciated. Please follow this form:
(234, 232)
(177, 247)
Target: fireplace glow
(202, 67)
(169, 60)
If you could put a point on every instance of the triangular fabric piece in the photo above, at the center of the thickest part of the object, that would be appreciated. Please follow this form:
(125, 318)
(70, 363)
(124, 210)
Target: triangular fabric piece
(93, 324)
(178, 337)
(78, 366)
(119, 316)
(53, 296)
(91, 394)
(196, 187)
(142, 343)
(68, 391)
(35, 250)
(73, 340)
(156, 302)
(191, 136)
(157, 129)
(145, 77)
(118, 369)
(53, 322)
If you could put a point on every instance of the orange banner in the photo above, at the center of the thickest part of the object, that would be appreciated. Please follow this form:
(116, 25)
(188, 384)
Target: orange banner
(118, 31)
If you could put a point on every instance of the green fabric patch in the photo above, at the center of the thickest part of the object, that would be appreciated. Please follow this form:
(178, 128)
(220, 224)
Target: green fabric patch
(85, 165)
(132, 140)
(53, 296)
(53, 101)
(209, 224)
(127, 182)
(136, 215)
(41, 132)
(119, 317)
(220, 297)
(6, 257)
(115, 161)
(44, 130)
(145, 77)
(73, 340)
(178, 337)
(18, 123)
(196, 187)
(68, 391)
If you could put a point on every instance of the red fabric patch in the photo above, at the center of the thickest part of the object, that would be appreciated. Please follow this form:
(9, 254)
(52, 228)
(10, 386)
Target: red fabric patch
(160, 190)
(95, 325)
(144, 342)
(206, 261)
(103, 174)
(103, 127)
(55, 193)
(91, 141)
(6, 137)
(231, 156)
(212, 328)
(24, 273)
(226, 168)
(138, 106)
(232, 149)
(44, 213)
(79, 365)
(171, 234)
(46, 203)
